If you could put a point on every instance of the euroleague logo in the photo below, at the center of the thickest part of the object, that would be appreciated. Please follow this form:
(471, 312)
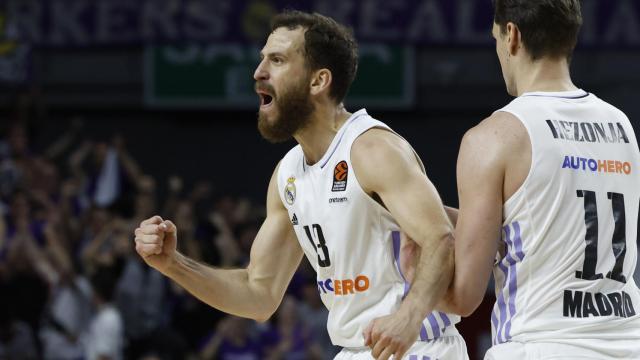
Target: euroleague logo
(340, 173)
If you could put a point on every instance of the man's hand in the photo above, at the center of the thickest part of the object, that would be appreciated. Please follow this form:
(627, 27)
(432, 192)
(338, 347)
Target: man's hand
(392, 335)
(156, 242)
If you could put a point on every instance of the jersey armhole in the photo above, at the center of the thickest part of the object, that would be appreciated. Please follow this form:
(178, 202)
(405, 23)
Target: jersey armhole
(521, 188)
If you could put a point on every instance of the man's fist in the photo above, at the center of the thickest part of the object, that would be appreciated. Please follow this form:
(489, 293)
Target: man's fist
(156, 242)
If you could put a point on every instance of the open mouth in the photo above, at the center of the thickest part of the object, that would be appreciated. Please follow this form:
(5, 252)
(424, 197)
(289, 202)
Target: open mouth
(265, 99)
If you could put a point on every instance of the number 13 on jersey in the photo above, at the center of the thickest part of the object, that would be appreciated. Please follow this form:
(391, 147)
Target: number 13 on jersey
(316, 238)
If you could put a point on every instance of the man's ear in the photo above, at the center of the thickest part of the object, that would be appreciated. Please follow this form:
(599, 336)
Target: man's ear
(514, 42)
(321, 81)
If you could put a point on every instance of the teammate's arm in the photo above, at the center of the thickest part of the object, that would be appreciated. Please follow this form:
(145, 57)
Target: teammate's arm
(387, 167)
(452, 214)
(483, 163)
(254, 292)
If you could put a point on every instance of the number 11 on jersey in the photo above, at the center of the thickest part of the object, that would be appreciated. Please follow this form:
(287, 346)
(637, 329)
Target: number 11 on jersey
(618, 241)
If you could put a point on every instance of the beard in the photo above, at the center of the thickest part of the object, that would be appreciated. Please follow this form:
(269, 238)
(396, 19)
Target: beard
(294, 113)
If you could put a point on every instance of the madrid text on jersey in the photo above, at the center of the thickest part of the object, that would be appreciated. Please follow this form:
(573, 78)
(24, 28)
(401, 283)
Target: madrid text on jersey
(583, 304)
(610, 133)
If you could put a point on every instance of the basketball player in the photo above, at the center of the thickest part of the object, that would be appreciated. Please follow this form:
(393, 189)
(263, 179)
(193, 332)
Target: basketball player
(341, 198)
(555, 175)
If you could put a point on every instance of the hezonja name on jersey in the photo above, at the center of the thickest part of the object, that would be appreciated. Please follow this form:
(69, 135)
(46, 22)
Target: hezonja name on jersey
(588, 132)
(344, 287)
(603, 166)
(584, 304)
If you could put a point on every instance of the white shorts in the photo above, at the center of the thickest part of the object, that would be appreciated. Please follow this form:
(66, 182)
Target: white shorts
(449, 347)
(582, 350)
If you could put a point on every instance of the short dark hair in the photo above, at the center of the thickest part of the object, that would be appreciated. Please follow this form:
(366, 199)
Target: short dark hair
(327, 44)
(549, 28)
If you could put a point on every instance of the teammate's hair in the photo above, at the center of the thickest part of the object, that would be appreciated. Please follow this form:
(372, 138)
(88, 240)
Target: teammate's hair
(549, 28)
(327, 45)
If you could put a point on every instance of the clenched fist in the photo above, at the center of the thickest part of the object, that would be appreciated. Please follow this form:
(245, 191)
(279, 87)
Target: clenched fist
(156, 242)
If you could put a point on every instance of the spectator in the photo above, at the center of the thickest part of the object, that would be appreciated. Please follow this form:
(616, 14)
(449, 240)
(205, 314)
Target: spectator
(104, 340)
(289, 338)
(16, 337)
(232, 340)
(315, 315)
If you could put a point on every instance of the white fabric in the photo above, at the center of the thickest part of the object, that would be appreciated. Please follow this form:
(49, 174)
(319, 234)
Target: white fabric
(575, 137)
(585, 350)
(105, 337)
(71, 308)
(348, 238)
(444, 348)
(108, 184)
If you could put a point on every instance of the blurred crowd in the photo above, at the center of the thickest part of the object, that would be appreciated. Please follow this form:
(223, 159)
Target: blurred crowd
(71, 284)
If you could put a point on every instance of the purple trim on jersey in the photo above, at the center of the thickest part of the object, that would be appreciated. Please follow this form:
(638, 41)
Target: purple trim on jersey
(513, 288)
(415, 357)
(518, 241)
(513, 256)
(435, 327)
(502, 307)
(560, 97)
(445, 319)
(395, 236)
(340, 140)
(516, 248)
(494, 322)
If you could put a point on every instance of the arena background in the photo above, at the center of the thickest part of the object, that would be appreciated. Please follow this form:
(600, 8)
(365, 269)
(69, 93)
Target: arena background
(166, 86)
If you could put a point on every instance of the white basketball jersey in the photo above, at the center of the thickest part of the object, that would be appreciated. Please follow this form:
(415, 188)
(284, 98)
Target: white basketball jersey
(570, 231)
(352, 242)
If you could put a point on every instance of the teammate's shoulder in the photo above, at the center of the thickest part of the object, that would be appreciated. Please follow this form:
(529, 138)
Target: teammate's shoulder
(497, 123)
(500, 128)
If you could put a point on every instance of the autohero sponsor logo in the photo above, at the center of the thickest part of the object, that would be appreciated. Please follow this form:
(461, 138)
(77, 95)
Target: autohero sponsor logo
(344, 287)
(596, 166)
(583, 304)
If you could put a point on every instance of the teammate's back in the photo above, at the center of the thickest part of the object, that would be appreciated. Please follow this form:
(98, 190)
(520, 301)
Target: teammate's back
(570, 230)
(554, 175)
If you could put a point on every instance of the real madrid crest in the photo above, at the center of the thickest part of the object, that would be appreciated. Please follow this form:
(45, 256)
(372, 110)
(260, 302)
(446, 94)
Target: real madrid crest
(290, 191)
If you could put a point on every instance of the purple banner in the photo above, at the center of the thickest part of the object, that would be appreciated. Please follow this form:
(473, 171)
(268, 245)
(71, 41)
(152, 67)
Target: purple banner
(80, 23)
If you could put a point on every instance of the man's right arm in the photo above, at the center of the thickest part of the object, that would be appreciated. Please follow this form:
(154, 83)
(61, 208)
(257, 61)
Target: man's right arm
(254, 292)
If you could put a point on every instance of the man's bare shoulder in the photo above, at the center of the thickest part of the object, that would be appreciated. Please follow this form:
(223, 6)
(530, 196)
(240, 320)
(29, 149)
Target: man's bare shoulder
(380, 154)
(500, 132)
(380, 141)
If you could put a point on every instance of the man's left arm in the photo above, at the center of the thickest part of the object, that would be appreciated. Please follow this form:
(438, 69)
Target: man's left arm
(497, 147)
(386, 166)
